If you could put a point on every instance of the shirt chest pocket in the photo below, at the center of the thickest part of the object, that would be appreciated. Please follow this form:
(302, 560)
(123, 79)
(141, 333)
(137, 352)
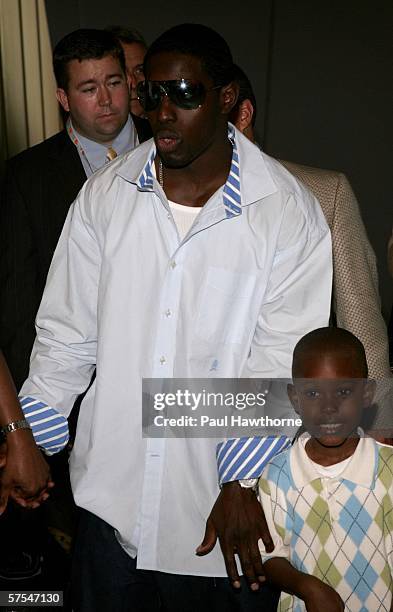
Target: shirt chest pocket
(225, 306)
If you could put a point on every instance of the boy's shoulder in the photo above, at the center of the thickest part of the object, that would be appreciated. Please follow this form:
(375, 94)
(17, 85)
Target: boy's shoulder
(385, 464)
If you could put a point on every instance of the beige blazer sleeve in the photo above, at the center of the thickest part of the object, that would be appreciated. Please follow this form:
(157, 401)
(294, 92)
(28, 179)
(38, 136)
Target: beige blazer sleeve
(356, 301)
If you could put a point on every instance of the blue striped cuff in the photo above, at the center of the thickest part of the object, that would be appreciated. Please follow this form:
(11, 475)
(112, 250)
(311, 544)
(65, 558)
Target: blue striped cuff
(243, 458)
(50, 429)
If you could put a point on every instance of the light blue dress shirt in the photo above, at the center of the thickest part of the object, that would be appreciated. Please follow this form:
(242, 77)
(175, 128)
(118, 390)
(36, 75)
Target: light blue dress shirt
(93, 155)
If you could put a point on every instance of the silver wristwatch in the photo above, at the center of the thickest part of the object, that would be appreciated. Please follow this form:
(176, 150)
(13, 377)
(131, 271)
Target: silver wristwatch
(14, 426)
(249, 483)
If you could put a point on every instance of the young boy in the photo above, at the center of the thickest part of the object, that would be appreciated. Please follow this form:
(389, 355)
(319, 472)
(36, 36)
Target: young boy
(328, 499)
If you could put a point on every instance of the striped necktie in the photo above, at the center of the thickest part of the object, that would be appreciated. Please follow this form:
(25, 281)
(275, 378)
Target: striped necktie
(110, 154)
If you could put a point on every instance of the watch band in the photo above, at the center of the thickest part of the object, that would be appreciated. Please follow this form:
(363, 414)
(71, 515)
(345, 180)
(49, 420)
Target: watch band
(14, 426)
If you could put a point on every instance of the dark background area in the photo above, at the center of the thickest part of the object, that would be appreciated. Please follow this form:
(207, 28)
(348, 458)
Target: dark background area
(322, 74)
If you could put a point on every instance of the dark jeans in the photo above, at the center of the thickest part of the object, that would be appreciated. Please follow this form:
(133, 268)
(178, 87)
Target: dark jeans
(105, 578)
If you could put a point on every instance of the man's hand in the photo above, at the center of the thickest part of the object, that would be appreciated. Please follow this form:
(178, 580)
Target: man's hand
(237, 519)
(26, 476)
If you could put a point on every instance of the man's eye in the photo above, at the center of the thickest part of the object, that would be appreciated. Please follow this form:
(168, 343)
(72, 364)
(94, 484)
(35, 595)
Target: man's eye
(344, 392)
(138, 71)
(89, 90)
(115, 83)
(312, 393)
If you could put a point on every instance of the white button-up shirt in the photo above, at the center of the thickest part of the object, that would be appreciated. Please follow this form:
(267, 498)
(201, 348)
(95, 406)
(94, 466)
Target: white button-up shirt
(242, 287)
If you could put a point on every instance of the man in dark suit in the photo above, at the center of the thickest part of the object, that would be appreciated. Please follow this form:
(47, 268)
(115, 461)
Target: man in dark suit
(40, 185)
(41, 182)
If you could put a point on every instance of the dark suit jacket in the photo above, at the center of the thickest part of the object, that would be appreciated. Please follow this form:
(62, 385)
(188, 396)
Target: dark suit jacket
(39, 186)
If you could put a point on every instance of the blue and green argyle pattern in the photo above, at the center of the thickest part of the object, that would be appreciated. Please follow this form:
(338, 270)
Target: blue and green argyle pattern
(335, 529)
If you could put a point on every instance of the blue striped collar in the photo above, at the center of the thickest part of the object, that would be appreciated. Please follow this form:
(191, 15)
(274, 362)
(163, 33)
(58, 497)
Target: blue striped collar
(231, 197)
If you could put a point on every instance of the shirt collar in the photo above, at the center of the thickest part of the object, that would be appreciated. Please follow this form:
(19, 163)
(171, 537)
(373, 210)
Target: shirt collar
(361, 470)
(246, 182)
(95, 152)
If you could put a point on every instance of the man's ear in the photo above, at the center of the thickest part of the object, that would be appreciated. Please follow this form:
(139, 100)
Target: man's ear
(244, 115)
(369, 392)
(293, 397)
(62, 99)
(228, 97)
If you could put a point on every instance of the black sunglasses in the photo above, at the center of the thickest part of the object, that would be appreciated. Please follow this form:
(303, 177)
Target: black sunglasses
(184, 93)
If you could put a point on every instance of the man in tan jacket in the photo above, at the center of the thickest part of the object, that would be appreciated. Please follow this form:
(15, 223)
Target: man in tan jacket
(355, 302)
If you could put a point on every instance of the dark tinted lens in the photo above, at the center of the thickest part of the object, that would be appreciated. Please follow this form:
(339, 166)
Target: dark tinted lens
(186, 94)
(149, 95)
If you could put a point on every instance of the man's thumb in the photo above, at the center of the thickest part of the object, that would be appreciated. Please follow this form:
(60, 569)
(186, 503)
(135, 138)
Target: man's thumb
(209, 539)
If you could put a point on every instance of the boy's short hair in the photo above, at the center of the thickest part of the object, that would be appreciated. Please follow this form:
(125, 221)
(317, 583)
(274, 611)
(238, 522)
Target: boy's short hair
(329, 339)
(201, 42)
(84, 44)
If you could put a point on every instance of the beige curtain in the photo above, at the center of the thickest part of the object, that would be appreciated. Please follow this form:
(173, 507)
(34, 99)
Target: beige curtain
(28, 108)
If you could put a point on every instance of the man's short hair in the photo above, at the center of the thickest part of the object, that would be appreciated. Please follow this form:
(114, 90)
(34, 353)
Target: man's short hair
(201, 42)
(245, 93)
(84, 44)
(127, 36)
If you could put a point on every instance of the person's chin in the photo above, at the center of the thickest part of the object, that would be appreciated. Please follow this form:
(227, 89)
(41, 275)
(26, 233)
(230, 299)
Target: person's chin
(111, 120)
(109, 128)
(333, 441)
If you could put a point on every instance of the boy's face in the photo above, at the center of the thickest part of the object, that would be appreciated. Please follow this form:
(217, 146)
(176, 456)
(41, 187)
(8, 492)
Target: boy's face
(329, 394)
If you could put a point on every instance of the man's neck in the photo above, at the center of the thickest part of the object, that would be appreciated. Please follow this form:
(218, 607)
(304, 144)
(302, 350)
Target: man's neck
(194, 184)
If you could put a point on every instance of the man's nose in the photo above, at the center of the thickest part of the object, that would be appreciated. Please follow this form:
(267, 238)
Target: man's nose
(166, 109)
(132, 79)
(104, 96)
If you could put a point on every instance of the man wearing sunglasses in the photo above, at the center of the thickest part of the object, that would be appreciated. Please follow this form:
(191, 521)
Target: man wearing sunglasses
(194, 256)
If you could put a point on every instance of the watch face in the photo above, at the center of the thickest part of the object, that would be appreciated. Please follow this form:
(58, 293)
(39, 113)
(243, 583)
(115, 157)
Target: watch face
(249, 483)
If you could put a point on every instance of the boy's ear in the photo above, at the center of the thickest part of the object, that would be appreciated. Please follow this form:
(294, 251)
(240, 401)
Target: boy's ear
(369, 392)
(293, 397)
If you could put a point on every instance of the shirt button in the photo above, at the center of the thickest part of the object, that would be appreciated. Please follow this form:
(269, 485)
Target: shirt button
(173, 264)
(162, 360)
(168, 313)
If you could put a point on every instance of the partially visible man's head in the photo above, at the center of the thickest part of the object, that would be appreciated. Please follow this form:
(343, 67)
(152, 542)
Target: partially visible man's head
(244, 113)
(134, 47)
(90, 71)
(188, 92)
